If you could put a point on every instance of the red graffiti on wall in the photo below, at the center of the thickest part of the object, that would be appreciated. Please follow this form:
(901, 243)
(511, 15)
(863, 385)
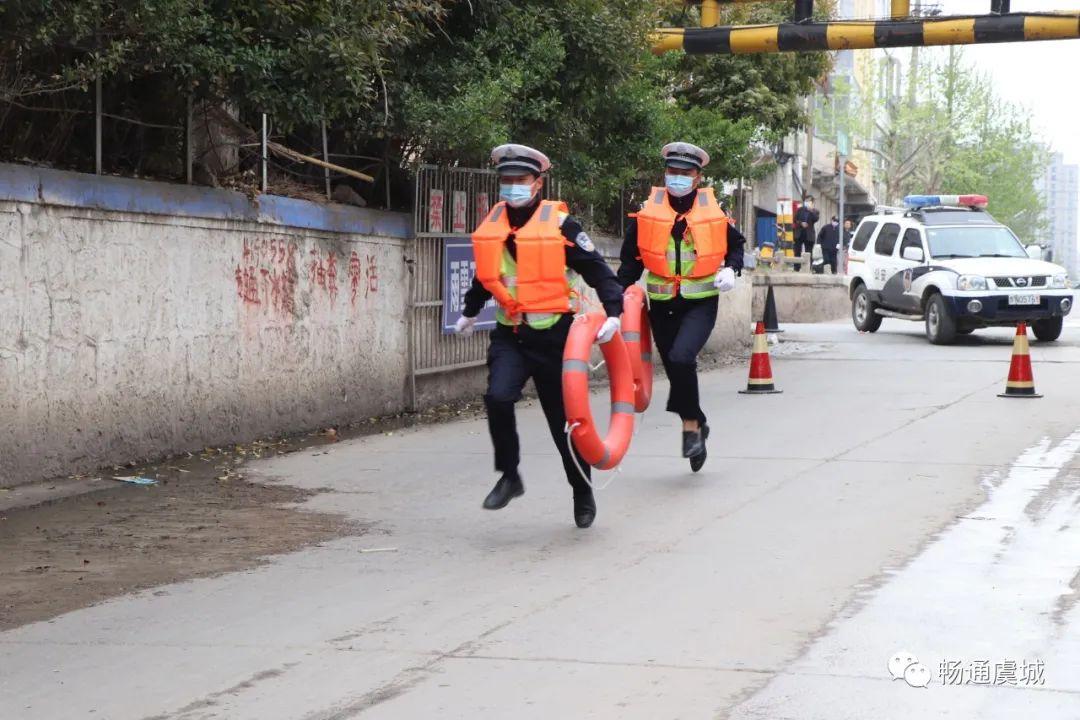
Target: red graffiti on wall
(283, 278)
(331, 276)
(316, 270)
(372, 274)
(355, 272)
(267, 275)
(323, 272)
(247, 286)
(272, 271)
(362, 272)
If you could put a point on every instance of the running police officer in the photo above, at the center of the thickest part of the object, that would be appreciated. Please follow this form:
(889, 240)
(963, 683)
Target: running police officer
(529, 254)
(691, 252)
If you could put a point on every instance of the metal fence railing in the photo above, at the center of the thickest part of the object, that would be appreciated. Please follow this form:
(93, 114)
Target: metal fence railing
(449, 203)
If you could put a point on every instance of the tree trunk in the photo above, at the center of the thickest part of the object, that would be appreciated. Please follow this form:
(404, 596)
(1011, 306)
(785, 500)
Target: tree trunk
(215, 145)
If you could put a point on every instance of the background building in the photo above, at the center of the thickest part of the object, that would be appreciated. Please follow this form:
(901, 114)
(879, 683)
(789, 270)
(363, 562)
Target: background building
(1060, 189)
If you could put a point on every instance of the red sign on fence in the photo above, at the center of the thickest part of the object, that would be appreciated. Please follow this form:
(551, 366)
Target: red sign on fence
(461, 212)
(435, 211)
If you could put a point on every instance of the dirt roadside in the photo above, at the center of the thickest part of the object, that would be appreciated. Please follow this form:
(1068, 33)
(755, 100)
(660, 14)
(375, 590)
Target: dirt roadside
(202, 517)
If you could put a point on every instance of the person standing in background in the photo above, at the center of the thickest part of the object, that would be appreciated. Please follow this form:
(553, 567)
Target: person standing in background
(829, 240)
(805, 219)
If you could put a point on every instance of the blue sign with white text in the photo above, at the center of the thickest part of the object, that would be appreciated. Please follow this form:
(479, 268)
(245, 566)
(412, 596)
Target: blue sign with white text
(459, 267)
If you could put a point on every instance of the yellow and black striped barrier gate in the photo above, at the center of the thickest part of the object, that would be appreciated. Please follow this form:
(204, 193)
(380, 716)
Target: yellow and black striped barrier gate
(866, 34)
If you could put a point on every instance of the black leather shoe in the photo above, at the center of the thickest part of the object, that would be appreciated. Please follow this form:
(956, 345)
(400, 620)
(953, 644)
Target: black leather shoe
(692, 443)
(508, 488)
(697, 461)
(584, 508)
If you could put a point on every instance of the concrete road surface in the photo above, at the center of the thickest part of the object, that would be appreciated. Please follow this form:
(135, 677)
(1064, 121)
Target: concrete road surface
(887, 514)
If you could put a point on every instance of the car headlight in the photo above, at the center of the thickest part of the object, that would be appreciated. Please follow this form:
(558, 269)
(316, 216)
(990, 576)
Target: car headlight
(1060, 281)
(971, 282)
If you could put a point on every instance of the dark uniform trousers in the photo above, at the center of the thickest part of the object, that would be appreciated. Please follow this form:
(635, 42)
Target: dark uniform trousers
(829, 254)
(680, 328)
(514, 356)
(804, 240)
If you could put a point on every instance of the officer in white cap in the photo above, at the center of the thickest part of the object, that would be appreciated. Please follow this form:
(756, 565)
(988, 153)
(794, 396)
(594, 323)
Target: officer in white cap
(691, 253)
(535, 310)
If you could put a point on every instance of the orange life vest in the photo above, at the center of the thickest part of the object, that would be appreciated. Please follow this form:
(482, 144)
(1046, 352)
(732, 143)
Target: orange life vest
(542, 286)
(706, 224)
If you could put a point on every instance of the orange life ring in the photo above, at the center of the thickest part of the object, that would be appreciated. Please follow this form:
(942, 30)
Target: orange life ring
(608, 452)
(637, 333)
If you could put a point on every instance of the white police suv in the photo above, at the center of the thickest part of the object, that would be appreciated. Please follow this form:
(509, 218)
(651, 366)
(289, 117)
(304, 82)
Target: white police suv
(942, 259)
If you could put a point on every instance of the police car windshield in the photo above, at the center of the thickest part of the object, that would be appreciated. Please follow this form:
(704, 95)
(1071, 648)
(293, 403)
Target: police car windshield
(946, 242)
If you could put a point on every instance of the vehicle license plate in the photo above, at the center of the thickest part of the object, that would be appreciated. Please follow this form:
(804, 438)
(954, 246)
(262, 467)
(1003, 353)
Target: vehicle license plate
(1024, 299)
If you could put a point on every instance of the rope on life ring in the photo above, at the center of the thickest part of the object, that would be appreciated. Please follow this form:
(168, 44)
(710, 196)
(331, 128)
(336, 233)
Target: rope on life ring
(607, 452)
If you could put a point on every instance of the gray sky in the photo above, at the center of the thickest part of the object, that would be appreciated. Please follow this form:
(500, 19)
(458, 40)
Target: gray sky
(1039, 75)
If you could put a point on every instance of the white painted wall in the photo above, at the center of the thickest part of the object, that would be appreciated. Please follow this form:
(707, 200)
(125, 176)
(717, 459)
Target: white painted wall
(126, 335)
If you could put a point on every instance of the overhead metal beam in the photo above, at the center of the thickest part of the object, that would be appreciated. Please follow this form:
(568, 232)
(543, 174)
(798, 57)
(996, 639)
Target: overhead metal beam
(856, 35)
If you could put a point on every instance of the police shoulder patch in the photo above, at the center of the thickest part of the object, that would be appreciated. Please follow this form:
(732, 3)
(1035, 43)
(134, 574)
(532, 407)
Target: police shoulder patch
(585, 242)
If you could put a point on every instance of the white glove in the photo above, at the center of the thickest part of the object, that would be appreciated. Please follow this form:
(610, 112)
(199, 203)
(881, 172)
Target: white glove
(464, 326)
(607, 330)
(725, 280)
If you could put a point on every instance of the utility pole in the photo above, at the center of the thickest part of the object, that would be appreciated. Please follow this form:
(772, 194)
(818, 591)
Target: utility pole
(808, 169)
(841, 259)
(913, 69)
(97, 124)
(263, 159)
(326, 159)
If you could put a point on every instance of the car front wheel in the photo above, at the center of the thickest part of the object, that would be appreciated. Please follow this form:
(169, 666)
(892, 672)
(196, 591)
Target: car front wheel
(940, 325)
(1047, 330)
(862, 311)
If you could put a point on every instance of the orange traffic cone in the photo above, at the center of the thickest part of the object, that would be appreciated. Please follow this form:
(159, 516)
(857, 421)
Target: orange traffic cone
(761, 379)
(1020, 382)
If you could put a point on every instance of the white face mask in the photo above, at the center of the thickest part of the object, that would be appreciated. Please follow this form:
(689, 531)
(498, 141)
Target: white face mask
(679, 185)
(516, 195)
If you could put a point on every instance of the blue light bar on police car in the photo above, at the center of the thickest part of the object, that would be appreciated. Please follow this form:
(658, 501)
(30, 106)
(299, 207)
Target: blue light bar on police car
(917, 201)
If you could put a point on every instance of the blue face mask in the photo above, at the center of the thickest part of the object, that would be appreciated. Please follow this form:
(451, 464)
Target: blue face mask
(679, 185)
(516, 195)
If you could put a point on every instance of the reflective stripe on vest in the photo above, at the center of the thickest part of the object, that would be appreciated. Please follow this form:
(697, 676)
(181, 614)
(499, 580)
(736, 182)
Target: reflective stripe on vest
(662, 289)
(687, 256)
